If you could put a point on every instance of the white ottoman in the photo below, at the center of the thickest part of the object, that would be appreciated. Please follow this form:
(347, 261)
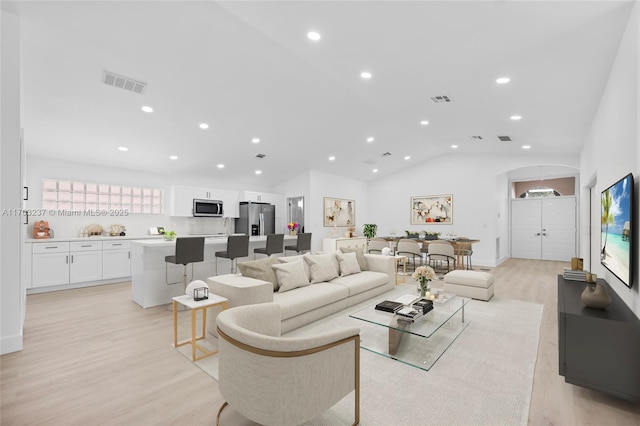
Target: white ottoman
(240, 291)
(473, 284)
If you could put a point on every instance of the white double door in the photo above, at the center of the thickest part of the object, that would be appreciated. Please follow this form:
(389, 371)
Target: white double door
(543, 228)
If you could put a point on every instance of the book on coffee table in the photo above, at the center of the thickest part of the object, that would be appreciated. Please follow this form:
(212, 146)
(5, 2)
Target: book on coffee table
(407, 299)
(408, 313)
(389, 306)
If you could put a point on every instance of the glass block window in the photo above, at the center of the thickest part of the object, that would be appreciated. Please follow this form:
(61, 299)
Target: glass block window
(84, 197)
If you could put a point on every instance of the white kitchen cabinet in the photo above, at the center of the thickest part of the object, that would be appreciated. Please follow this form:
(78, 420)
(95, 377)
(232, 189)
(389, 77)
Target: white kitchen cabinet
(230, 203)
(85, 262)
(50, 264)
(331, 244)
(181, 200)
(116, 259)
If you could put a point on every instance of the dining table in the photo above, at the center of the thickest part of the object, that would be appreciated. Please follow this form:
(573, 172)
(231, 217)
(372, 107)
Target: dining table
(459, 246)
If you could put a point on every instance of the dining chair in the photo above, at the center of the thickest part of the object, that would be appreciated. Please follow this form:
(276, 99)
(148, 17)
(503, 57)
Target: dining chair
(377, 244)
(442, 252)
(411, 249)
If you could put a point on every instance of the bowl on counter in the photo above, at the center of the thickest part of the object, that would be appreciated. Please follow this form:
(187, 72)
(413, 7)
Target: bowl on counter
(169, 237)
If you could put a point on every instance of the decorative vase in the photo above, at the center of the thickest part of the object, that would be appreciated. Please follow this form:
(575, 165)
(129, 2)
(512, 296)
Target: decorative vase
(293, 232)
(424, 288)
(595, 296)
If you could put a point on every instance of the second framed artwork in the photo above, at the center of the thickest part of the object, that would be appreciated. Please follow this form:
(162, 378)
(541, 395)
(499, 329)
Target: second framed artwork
(432, 209)
(339, 212)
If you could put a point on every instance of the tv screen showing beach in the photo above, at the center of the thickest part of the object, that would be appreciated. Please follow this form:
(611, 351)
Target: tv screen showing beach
(616, 242)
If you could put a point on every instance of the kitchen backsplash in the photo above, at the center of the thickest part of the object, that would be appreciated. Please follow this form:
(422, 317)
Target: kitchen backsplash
(136, 225)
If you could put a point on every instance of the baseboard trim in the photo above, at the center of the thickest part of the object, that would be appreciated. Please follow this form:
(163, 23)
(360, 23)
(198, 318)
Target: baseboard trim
(11, 344)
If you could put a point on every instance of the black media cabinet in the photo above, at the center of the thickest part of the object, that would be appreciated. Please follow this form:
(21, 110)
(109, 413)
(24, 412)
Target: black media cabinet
(599, 348)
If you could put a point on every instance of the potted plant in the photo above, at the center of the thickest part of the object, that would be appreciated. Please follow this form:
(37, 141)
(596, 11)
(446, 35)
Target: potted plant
(431, 235)
(369, 230)
(413, 234)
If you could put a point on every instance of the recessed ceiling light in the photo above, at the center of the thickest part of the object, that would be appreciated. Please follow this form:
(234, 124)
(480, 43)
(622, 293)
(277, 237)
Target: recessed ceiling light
(123, 148)
(526, 146)
(516, 117)
(204, 126)
(173, 157)
(313, 35)
(424, 122)
(332, 158)
(258, 172)
(407, 157)
(370, 139)
(147, 109)
(454, 146)
(503, 80)
(255, 140)
(366, 75)
(221, 166)
(374, 171)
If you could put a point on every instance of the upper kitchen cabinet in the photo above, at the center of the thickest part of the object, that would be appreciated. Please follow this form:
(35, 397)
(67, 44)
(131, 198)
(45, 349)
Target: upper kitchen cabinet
(181, 200)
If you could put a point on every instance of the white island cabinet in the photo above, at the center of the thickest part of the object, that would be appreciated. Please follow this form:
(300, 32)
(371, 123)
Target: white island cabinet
(150, 273)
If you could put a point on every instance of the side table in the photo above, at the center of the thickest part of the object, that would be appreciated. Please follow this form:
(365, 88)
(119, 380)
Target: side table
(401, 260)
(195, 306)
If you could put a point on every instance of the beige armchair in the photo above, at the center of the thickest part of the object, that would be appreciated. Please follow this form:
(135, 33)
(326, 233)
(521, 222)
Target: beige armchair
(442, 252)
(275, 380)
(377, 244)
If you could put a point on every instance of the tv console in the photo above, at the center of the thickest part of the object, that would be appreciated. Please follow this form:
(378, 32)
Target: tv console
(599, 348)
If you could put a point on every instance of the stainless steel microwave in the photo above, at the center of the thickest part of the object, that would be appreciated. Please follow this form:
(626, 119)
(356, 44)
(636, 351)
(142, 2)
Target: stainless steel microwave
(207, 208)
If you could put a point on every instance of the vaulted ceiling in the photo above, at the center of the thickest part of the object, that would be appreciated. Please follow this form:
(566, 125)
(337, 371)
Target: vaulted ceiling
(249, 70)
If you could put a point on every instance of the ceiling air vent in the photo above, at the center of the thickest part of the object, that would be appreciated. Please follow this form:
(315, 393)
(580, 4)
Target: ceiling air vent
(261, 155)
(386, 154)
(126, 83)
(441, 99)
(505, 138)
(476, 138)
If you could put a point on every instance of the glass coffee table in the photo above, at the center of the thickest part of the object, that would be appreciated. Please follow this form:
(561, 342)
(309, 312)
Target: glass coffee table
(419, 344)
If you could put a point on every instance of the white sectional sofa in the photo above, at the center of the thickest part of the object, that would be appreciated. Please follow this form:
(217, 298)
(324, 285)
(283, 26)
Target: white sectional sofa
(298, 284)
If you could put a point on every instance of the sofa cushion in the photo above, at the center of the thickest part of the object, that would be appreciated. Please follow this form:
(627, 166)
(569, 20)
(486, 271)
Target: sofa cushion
(290, 275)
(348, 264)
(321, 267)
(260, 269)
(359, 251)
(305, 299)
(363, 281)
(290, 259)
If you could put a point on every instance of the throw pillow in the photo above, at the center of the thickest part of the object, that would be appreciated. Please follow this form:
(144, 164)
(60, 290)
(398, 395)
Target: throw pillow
(334, 259)
(290, 259)
(260, 269)
(359, 251)
(290, 275)
(321, 267)
(348, 264)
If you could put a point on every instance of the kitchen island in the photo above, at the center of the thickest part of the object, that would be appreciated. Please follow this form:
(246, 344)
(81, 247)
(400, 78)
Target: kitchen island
(148, 281)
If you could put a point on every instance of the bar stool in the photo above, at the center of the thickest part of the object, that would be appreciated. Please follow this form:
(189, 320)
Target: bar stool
(237, 246)
(302, 244)
(188, 251)
(274, 245)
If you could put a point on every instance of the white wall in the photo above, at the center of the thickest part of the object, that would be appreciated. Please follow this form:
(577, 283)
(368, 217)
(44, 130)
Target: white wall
(41, 168)
(479, 185)
(611, 149)
(11, 293)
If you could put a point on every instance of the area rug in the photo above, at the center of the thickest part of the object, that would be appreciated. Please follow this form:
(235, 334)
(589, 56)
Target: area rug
(484, 378)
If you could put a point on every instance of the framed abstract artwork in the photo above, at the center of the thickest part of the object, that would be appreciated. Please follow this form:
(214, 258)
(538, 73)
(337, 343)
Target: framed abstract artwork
(432, 209)
(339, 212)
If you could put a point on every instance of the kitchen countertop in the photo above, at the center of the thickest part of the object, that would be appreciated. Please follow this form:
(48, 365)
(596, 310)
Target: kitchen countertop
(214, 239)
(94, 238)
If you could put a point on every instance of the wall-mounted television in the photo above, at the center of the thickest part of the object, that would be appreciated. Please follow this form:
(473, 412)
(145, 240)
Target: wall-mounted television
(617, 223)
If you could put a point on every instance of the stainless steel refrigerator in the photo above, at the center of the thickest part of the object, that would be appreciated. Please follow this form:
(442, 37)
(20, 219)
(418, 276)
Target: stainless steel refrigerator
(256, 218)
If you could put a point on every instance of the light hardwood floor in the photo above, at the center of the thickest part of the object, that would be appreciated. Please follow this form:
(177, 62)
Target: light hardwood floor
(92, 356)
